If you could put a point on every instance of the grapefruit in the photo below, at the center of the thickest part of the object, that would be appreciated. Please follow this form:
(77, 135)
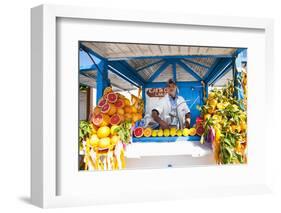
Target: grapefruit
(115, 119)
(120, 103)
(199, 130)
(105, 108)
(138, 132)
(97, 119)
(147, 132)
(111, 97)
(108, 109)
(97, 110)
(103, 132)
(102, 102)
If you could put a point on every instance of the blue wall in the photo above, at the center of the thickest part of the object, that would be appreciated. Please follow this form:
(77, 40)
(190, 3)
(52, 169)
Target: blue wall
(190, 91)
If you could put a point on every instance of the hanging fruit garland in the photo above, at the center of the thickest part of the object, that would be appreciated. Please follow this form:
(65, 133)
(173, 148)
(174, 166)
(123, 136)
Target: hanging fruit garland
(104, 137)
(225, 126)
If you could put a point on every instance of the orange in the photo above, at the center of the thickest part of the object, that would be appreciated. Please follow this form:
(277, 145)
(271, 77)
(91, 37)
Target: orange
(147, 132)
(120, 111)
(112, 109)
(105, 120)
(135, 117)
(97, 110)
(128, 116)
(127, 102)
(128, 109)
(133, 109)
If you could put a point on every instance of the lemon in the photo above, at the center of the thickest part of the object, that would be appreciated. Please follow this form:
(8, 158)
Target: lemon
(113, 129)
(217, 134)
(243, 125)
(207, 116)
(160, 133)
(192, 131)
(213, 103)
(104, 143)
(166, 132)
(173, 132)
(179, 133)
(103, 132)
(154, 133)
(94, 140)
(114, 139)
(185, 132)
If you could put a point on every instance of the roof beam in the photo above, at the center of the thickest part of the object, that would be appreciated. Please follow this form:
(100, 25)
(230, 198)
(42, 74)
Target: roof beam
(149, 65)
(218, 69)
(197, 63)
(217, 61)
(189, 70)
(174, 66)
(89, 50)
(169, 57)
(179, 83)
(123, 66)
(126, 73)
(158, 71)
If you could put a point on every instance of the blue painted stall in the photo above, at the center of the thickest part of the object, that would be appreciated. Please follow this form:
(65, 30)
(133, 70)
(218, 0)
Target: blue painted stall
(193, 69)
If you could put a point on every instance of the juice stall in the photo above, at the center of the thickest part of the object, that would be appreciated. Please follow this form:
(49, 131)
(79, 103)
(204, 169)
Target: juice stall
(125, 82)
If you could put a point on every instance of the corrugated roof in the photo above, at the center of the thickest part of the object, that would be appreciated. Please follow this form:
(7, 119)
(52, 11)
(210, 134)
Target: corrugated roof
(127, 50)
(146, 59)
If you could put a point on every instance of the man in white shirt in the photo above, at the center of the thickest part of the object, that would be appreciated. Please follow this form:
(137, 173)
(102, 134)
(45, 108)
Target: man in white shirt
(173, 110)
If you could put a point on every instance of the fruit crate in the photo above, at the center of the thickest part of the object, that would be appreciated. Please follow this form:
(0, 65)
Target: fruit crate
(165, 139)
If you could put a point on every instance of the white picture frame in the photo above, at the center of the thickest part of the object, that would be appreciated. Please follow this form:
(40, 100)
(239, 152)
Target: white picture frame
(44, 173)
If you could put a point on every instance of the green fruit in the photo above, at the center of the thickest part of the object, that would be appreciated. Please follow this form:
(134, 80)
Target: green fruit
(166, 132)
(185, 132)
(154, 133)
(160, 133)
(179, 133)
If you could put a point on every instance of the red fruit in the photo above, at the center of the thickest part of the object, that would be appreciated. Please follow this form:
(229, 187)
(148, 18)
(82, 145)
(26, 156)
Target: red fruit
(119, 103)
(199, 130)
(115, 119)
(138, 132)
(97, 119)
(102, 102)
(111, 97)
(105, 109)
(199, 120)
